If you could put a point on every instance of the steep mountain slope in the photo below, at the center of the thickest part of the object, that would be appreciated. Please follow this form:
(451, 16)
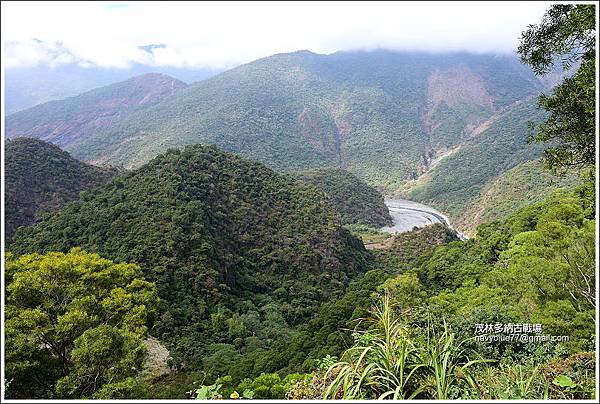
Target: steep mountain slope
(357, 202)
(237, 251)
(454, 183)
(381, 115)
(64, 122)
(40, 177)
(514, 189)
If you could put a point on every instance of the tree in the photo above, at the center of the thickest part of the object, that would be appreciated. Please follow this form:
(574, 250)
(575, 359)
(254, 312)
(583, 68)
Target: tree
(567, 33)
(74, 325)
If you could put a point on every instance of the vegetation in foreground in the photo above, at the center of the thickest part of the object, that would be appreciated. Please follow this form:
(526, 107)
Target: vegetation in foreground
(534, 267)
(74, 326)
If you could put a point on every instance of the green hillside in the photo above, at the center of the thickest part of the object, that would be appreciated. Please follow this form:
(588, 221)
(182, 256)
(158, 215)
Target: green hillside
(381, 115)
(518, 187)
(458, 179)
(431, 291)
(40, 177)
(239, 253)
(357, 202)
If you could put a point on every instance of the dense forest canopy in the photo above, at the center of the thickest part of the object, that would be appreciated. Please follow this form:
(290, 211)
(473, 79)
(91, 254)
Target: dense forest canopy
(237, 251)
(240, 273)
(357, 202)
(40, 177)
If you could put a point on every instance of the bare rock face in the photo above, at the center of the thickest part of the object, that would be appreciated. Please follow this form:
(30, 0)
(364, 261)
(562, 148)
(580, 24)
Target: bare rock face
(157, 364)
(64, 122)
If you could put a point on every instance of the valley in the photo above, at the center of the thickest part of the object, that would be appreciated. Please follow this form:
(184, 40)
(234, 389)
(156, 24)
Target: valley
(407, 215)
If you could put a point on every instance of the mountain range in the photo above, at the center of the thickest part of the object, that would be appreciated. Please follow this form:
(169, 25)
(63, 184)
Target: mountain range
(236, 206)
(26, 87)
(382, 115)
(221, 236)
(437, 128)
(65, 122)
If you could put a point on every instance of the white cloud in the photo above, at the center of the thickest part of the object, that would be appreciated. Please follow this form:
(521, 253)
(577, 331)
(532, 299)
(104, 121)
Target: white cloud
(226, 34)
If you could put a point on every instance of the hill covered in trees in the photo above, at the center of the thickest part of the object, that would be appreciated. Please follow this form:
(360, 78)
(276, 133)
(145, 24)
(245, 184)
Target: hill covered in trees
(357, 202)
(239, 254)
(40, 177)
(381, 115)
(65, 121)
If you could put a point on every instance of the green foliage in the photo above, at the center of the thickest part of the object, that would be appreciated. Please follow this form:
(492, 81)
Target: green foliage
(573, 377)
(270, 386)
(211, 392)
(42, 178)
(514, 189)
(536, 266)
(266, 386)
(74, 325)
(329, 333)
(101, 356)
(567, 33)
(387, 361)
(239, 254)
(404, 249)
(357, 202)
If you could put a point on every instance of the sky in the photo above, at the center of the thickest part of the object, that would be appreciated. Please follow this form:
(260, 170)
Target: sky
(222, 35)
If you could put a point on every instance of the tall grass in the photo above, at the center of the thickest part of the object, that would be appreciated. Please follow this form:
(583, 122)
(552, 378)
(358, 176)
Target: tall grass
(387, 362)
(381, 364)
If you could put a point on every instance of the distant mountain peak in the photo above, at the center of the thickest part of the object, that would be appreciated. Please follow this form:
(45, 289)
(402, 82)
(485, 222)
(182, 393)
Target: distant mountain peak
(65, 121)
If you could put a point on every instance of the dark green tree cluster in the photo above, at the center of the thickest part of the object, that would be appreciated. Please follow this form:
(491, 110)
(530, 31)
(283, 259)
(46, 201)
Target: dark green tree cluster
(357, 202)
(330, 331)
(40, 177)
(566, 36)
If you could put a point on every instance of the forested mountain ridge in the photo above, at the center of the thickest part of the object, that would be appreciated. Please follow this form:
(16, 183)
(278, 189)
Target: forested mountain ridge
(249, 284)
(65, 121)
(40, 177)
(237, 251)
(357, 202)
(382, 115)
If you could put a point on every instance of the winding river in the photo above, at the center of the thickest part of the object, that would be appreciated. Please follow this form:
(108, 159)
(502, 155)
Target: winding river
(408, 214)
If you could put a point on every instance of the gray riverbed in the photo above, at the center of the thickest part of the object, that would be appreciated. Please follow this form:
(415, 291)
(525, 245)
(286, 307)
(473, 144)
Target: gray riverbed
(408, 214)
